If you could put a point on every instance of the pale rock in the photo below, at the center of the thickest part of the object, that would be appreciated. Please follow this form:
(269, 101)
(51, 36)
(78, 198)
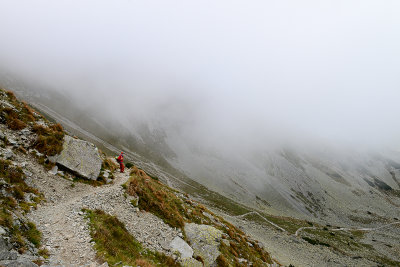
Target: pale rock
(54, 170)
(205, 241)
(179, 245)
(81, 157)
(8, 154)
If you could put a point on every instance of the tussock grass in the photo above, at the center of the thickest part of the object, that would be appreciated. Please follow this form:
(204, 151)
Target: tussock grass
(49, 140)
(114, 244)
(154, 198)
(27, 231)
(18, 118)
(109, 164)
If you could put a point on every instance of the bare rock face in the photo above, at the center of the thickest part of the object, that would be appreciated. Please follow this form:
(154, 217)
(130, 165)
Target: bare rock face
(205, 241)
(80, 157)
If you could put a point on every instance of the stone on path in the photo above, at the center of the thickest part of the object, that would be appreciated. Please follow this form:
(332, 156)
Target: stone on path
(81, 157)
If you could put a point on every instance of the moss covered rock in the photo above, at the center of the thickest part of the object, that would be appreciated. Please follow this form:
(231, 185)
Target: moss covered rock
(205, 241)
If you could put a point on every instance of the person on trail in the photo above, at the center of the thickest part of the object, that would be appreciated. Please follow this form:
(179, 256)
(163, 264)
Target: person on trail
(120, 160)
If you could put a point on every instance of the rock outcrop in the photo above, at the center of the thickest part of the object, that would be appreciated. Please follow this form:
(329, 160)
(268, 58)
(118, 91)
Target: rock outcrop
(80, 157)
(205, 241)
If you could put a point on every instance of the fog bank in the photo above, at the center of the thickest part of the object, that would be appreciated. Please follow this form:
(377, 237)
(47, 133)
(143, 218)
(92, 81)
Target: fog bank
(224, 73)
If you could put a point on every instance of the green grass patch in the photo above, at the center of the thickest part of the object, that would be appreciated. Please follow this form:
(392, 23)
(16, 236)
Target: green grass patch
(114, 244)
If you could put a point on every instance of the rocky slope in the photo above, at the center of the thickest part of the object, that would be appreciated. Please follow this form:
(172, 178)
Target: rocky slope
(54, 217)
(49, 203)
(330, 184)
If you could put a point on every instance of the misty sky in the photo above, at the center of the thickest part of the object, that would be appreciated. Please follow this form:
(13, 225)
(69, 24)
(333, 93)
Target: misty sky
(218, 70)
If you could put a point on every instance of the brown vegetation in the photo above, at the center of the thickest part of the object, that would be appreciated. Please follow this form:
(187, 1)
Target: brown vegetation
(49, 140)
(165, 203)
(18, 117)
(109, 164)
(17, 187)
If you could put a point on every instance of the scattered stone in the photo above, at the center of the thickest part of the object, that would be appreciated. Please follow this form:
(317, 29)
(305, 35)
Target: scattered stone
(52, 159)
(54, 170)
(179, 245)
(27, 173)
(2, 231)
(12, 142)
(80, 157)
(18, 263)
(8, 154)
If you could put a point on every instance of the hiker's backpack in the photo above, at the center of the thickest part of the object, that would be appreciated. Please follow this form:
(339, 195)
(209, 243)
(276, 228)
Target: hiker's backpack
(116, 158)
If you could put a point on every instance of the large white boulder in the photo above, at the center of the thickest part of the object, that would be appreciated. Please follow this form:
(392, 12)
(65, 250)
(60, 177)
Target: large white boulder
(205, 241)
(80, 157)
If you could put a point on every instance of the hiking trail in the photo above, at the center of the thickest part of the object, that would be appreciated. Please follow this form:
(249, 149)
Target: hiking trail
(65, 230)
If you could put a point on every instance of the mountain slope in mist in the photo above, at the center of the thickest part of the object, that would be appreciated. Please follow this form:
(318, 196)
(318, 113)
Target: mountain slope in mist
(326, 183)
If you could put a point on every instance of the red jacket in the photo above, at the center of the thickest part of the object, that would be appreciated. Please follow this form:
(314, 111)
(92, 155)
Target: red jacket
(120, 158)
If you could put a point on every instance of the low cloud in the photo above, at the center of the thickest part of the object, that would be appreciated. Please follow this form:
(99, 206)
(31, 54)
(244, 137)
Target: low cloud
(225, 74)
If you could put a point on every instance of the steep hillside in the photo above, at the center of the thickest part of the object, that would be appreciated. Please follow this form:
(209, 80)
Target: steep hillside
(325, 183)
(51, 214)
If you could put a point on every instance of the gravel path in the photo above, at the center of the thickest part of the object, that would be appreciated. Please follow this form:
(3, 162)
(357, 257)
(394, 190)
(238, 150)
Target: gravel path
(65, 230)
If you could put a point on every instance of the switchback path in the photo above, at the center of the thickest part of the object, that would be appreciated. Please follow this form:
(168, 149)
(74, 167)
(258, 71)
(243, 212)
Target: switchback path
(349, 229)
(268, 221)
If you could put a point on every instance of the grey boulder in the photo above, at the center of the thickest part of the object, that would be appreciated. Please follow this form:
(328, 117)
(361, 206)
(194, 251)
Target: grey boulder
(80, 157)
(205, 241)
(18, 263)
(179, 245)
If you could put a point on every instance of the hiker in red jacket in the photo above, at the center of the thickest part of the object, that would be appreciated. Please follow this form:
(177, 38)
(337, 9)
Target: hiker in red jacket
(120, 160)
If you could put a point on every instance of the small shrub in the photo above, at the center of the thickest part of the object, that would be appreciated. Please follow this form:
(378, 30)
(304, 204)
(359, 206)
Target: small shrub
(129, 165)
(49, 140)
(109, 164)
(15, 124)
(33, 234)
(222, 262)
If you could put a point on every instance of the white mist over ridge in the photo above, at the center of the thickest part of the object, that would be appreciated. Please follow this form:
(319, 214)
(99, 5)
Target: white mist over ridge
(218, 71)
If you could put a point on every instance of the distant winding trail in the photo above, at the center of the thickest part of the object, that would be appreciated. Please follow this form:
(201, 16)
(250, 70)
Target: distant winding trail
(313, 227)
(268, 221)
(349, 229)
